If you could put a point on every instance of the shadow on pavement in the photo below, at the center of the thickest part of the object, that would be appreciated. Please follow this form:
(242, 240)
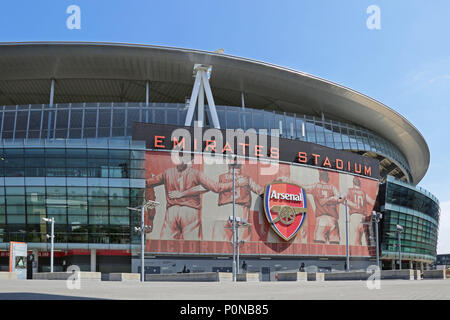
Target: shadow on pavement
(40, 296)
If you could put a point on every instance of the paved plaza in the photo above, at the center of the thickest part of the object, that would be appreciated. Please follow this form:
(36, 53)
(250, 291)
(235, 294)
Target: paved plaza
(328, 290)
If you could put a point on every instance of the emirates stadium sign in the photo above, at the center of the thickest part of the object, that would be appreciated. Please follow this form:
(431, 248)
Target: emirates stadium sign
(285, 208)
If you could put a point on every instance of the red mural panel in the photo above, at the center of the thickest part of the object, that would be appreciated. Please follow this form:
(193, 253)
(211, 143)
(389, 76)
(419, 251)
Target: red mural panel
(196, 201)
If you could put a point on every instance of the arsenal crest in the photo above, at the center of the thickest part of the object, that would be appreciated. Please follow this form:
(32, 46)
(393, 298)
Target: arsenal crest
(285, 208)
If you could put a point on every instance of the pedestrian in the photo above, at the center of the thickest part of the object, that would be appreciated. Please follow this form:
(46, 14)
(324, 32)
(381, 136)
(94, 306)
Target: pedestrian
(244, 266)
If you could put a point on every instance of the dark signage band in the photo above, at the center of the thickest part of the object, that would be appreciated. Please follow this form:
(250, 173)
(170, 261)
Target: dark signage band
(159, 136)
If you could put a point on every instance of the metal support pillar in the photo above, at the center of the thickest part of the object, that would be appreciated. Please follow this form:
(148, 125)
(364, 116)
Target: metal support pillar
(201, 106)
(147, 99)
(93, 260)
(244, 121)
(347, 238)
(52, 94)
(201, 88)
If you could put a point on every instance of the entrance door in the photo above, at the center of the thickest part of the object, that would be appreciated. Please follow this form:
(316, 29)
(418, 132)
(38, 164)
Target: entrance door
(265, 274)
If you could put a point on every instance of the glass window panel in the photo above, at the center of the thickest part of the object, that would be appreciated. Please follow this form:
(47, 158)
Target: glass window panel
(9, 118)
(74, 219)
(76, 118)
(20, 200)
(15, 210)
(117, 201)
(90, 120)
(136, 193)
(77, 211)
(76, 172)
(118, 132)
(103, 132)
(119, 211)
(34, 153)
(97, 172)
(55, 163)
(35, 190)
(92, 163)
(98, 153)
(119, 220)
(172, 117)
(76, 200)
(118, 192)
(310, 132)
(35, 120)
(119, 162)
(76, 153)
(99, 211)
(233, 120)
(76, 163)
(78, 234)
(56, 191)
(137, 174)
(36, 209)
(90, 133)
(137, 164)
(14, 172)
(98, 191)
(137, 154)
(98, 220)
(55, 210)
(98, 201)
(59, 219)
(32, 218)
(75, 134)
(118, 118)
(16, 218)
(160, 116)
(55, 153)
(119, 154)
(34, 162)
(79, 191)
(15, 190)
(133, 116)
(62, 119)
(11, 162)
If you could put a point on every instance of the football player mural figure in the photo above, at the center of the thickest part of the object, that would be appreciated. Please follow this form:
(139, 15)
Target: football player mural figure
(222, 230)
(326, 200)
(358, 202)
(183, 187)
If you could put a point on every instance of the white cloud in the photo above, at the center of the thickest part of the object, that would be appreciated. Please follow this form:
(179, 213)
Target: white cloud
(443, 246)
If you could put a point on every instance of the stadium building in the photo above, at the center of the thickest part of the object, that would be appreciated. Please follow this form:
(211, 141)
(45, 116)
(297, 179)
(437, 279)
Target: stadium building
(86, 133)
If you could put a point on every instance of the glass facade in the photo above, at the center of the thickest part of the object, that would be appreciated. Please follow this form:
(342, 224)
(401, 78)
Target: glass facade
(85, 185)
(417, 211)
(99, 120)
(78, 164)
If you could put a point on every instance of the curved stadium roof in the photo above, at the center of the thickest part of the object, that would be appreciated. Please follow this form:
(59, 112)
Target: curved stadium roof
(105, 72)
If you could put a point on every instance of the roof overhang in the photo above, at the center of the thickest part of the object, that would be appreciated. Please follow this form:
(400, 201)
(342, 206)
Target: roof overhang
(265, 85)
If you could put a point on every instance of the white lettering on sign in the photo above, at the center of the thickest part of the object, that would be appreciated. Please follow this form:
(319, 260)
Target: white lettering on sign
(285, 196)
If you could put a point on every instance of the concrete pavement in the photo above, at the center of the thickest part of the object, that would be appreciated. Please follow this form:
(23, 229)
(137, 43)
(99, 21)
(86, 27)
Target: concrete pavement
(333, 290)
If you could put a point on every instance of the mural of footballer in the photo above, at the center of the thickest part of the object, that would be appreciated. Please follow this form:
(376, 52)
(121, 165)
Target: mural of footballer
(183, 187)
(358, 202)
(243, 200)
(326, 200)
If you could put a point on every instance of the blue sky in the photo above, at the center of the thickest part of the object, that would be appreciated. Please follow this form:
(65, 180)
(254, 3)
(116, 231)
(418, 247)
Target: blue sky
(405, 64)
